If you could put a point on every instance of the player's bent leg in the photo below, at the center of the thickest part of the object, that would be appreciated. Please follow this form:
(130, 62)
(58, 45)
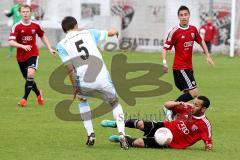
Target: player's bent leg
(150, 127)
(148, 142)
(110, 96)
(193, 92)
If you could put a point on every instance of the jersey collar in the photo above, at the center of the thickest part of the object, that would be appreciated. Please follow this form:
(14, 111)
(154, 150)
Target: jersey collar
(182, 27)
(70, 33)
(25, 23)
(201, 117)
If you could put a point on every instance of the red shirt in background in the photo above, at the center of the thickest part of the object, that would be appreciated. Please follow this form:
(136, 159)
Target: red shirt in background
(210, 32)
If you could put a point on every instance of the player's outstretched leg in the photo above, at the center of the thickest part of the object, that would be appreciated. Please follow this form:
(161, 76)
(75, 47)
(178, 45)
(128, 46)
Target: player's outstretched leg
(130, 123)
(86, 116)
(119, 119)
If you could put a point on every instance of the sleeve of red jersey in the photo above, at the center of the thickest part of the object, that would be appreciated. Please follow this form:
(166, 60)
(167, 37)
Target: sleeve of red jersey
(13, 33)
(169, 41)
(178, 109)
(40, 31)
(198, 38)
(206, 132)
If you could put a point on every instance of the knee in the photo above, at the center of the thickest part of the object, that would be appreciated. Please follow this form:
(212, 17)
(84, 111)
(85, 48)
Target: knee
(113, 102)
(140, 125)
(139, 143)
(194, 93)
(30, 73)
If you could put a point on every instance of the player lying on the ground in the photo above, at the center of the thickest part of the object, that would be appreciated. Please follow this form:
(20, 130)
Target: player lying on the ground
(190, 126)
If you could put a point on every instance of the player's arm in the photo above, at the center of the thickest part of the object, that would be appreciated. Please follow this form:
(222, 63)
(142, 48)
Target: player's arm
(65, 58)
(8, 13)
(206, 137)
(47, 43)
(18, 45)
(168, 44)
(205, 51)
(164, 60)
(72, 77)
(112, 32)
(172, 104)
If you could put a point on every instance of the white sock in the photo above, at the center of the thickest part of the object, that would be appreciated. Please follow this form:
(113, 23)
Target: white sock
(118, 115)
(86, 116)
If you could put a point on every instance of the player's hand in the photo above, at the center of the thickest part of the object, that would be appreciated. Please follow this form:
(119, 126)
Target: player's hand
(165, 68)
(5, 11)
(52, 51)
(184, 104)
(26, 47)
(208, 147)
(210, 61)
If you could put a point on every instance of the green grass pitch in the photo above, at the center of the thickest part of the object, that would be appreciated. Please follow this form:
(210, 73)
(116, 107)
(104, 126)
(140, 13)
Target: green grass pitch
(34, 132)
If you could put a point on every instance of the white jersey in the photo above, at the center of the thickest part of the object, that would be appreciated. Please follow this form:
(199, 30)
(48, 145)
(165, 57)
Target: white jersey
(84, 44)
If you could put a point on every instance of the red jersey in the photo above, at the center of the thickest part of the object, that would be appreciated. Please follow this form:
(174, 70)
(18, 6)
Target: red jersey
(210, 32)
(182, 39)
(188, 129)
(26, 34)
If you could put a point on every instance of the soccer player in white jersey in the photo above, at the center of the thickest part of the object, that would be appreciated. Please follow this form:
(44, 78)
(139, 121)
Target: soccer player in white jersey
(79, 52)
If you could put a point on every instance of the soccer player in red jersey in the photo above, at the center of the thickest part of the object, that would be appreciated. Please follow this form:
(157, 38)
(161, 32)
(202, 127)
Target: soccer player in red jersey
(182, 37)
(190, 126)
(208, 31)
(23, 37)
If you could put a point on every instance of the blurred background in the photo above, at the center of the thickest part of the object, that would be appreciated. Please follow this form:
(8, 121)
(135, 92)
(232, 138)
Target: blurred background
(143, 24)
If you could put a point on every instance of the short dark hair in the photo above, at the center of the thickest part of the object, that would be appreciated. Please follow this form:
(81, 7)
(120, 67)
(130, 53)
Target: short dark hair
(68, 23)
(181, 8)
(24, 6)
(206, 101)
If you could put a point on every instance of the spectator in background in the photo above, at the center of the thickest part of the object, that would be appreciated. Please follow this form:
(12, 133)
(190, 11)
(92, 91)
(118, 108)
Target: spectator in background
(208, 33)
(14, 12)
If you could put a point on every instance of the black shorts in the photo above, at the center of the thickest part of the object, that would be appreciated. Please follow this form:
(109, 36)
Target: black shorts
(209, 45)
(184, 79)
(32, 62)
(150, 128)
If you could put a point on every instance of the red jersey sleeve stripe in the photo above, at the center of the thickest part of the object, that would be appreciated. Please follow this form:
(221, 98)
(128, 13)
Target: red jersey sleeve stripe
(169, 38)
(208, 126)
